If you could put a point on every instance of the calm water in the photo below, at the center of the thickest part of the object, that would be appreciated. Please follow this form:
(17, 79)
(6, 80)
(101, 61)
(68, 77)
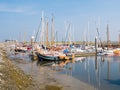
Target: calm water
(100, 72)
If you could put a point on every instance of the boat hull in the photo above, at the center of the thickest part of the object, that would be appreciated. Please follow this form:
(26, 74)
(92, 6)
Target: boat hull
(47, 58)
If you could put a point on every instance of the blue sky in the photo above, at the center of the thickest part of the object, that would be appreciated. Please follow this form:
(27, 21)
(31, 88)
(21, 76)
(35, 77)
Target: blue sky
(20, 18)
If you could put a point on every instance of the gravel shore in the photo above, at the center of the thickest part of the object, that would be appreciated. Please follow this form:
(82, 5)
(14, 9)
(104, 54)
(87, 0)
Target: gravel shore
(12, 77)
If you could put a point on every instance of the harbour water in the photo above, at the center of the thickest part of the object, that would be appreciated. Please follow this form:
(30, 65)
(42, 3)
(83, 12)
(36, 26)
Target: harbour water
(102, 72)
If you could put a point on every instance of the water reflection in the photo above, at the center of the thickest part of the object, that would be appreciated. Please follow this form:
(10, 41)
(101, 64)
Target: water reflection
(21, 57)
(114, 82)
(96, 63)
(44, 63)
(101, 72)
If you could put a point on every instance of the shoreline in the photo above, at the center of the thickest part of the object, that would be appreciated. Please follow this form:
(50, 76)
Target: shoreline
(12, 77)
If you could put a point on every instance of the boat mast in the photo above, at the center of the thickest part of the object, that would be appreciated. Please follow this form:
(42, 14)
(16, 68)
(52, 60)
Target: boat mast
(24, 37)
(100, 41)
(84, 37)
(65, 32)
(87, 36)
(56, 34)
(119, 38)
(69, 35)
(42, 32)
(52, 32)
(108, 40)
(47, 42)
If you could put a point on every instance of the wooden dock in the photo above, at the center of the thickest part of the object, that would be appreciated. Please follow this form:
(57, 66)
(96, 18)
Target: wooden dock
(84, 54)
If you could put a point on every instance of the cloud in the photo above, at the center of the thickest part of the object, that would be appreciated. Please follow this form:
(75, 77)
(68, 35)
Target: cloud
(12, 10)
(9, 9)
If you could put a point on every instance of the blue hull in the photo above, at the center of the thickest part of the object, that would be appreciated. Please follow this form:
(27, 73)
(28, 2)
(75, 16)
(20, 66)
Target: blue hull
(47, 58)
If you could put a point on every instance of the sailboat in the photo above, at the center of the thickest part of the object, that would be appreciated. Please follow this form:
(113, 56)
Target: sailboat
(109, 51)
(48, 54)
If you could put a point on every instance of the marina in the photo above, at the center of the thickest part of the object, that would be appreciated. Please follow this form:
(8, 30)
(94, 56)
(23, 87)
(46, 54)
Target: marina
(59, 45)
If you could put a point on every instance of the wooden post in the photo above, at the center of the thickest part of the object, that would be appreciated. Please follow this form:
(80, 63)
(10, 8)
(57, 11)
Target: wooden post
(96, 46)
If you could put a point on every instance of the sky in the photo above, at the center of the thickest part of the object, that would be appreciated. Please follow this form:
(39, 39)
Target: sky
(20, 19)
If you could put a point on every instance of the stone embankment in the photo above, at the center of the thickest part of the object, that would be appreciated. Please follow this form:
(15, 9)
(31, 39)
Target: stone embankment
(11, 77)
